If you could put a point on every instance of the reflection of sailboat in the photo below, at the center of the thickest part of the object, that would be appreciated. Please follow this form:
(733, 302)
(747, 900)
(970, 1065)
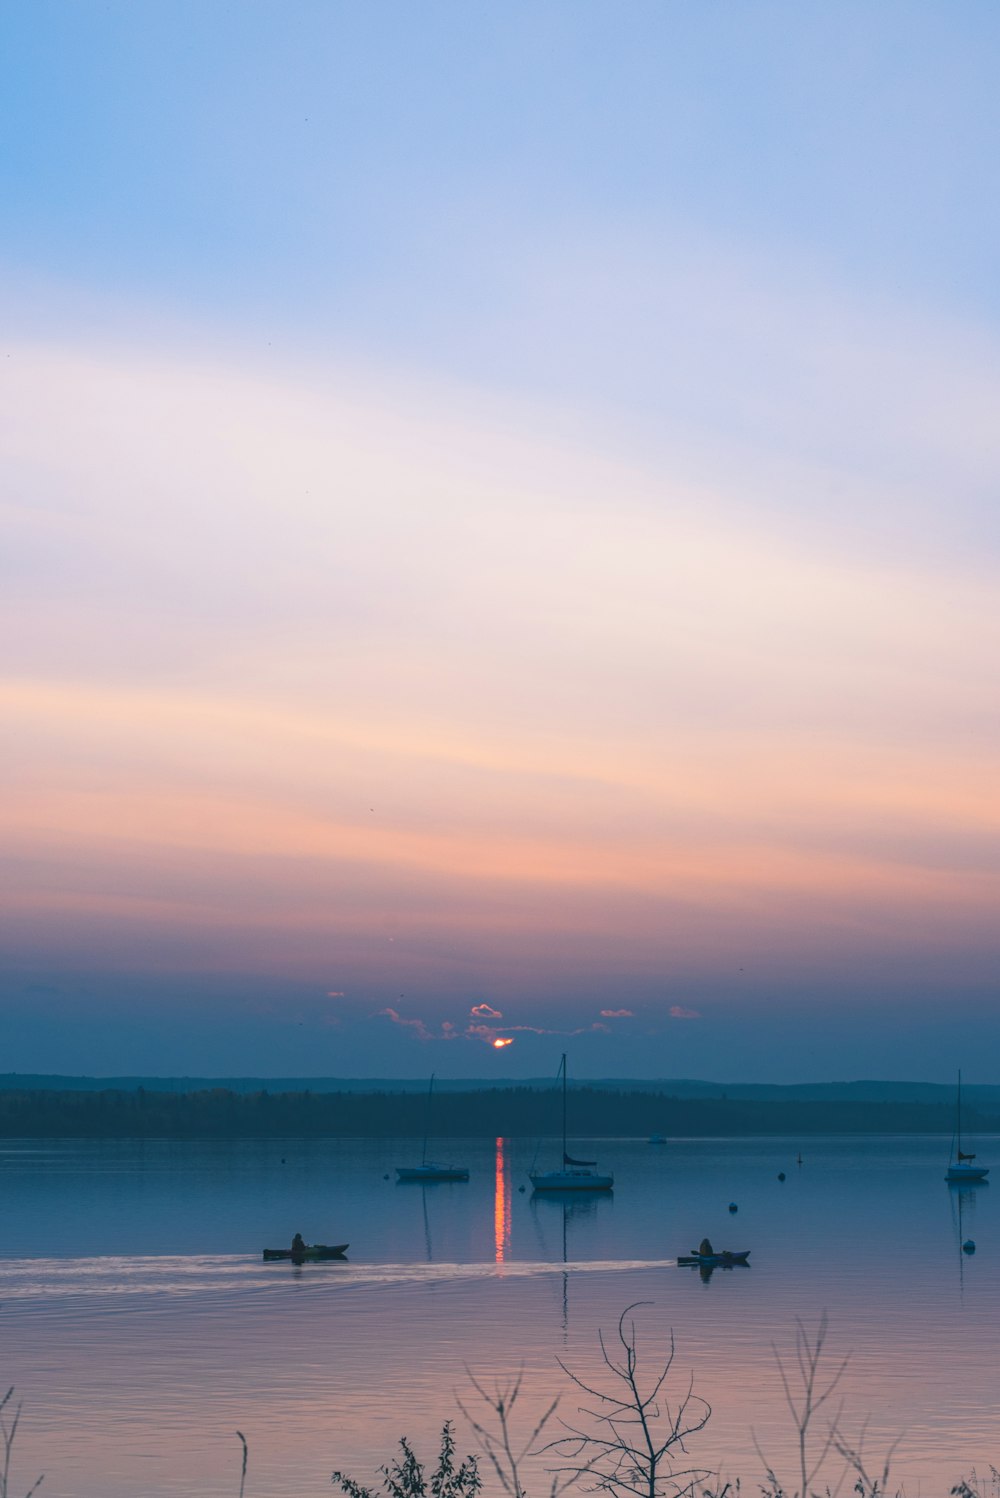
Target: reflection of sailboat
(962, 1171)
(429, 1170)
(580, 1204)
(964, 1199)
(575, 1175)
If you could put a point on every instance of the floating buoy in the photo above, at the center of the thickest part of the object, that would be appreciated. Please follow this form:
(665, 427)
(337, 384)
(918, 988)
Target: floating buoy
(386, 1176)
(733, 1207)
(968, 1247)
(282, 1159)
(521, 1189)
(781, 1175)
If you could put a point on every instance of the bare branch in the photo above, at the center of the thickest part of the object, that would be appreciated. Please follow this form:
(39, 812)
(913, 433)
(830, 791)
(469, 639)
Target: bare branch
(808, 1388)
(505, 1451)
(8, 1431)
(243, 1473)
(629, 1445)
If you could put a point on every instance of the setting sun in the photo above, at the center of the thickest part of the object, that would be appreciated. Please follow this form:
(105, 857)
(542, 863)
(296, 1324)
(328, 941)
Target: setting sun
(501, 1041)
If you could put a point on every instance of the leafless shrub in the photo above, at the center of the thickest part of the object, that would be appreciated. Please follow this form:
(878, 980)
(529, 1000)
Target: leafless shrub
(634, 1437)
(866, 1483)
(808, 1389)
(504, 1450)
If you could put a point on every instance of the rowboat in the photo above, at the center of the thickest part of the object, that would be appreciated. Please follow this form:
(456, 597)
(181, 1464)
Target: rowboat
(722, 1260)
(311, 1251)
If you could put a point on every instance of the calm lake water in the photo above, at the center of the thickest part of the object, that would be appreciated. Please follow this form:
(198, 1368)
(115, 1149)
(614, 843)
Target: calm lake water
(142, 1329)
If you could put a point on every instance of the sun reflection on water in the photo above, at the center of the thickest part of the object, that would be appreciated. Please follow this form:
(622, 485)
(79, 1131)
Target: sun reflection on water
(501, 1205)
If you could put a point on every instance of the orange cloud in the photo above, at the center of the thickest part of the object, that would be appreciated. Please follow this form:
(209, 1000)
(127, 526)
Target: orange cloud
(484, 1032)
(484, 1011)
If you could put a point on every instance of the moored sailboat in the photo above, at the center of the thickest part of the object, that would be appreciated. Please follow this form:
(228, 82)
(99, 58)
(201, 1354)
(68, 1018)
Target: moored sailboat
(431, 1170)
(962, 1169)
(575, 1175)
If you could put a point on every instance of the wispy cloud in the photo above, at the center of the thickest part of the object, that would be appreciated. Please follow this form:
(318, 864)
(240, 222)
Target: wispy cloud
(485, 1011)
(680, 1011)
(617, 1014)
(416, 1027)
(816, 748)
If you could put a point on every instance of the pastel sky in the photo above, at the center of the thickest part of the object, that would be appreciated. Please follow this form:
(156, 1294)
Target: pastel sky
(500, 537)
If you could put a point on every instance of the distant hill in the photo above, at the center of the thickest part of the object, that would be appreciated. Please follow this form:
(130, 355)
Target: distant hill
(984, 1097)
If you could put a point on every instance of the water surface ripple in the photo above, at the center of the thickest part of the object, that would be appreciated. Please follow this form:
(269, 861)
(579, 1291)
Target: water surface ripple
(142, 1328)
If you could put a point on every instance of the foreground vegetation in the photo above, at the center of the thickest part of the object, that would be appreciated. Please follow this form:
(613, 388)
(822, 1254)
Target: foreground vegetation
(510, 1112)
(636, 1432)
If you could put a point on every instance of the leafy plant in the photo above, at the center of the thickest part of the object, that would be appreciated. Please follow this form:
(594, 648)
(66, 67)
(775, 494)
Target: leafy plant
(974, 1486)
(407, 1477)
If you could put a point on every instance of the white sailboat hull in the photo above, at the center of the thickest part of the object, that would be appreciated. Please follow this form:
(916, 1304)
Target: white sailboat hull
(570, 1180)
(967, 1173)
(961, 1170)
(431, 1172)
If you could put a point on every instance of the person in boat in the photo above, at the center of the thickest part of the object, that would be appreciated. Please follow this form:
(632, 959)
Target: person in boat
(705, 1249)
(298, 1247)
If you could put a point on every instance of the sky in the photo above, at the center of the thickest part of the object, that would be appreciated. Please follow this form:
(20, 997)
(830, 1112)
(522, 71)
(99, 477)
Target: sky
(500, 538)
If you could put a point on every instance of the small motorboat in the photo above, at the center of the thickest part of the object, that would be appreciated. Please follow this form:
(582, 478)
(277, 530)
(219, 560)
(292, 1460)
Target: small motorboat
(311, 1252)
(722, 1260)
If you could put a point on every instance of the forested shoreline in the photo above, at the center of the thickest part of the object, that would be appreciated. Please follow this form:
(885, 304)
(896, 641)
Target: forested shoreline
(594, 1113)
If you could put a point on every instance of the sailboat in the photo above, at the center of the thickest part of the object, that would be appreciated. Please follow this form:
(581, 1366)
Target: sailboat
(430, 1170)
(962, 1170)
(575, 1175)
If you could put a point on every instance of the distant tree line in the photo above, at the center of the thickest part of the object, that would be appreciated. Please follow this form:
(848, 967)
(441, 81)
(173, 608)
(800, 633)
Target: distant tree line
(594, 1113)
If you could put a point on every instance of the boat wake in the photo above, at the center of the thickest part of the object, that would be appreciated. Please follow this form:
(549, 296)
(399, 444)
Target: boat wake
(48, 1279)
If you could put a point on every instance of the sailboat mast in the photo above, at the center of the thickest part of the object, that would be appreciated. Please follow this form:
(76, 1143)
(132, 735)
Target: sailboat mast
(564, 1105)
(427, 1120)
(958, 1119)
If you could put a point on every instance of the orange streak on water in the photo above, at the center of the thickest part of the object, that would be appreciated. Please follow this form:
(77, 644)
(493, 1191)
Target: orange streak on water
(501, 1206)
